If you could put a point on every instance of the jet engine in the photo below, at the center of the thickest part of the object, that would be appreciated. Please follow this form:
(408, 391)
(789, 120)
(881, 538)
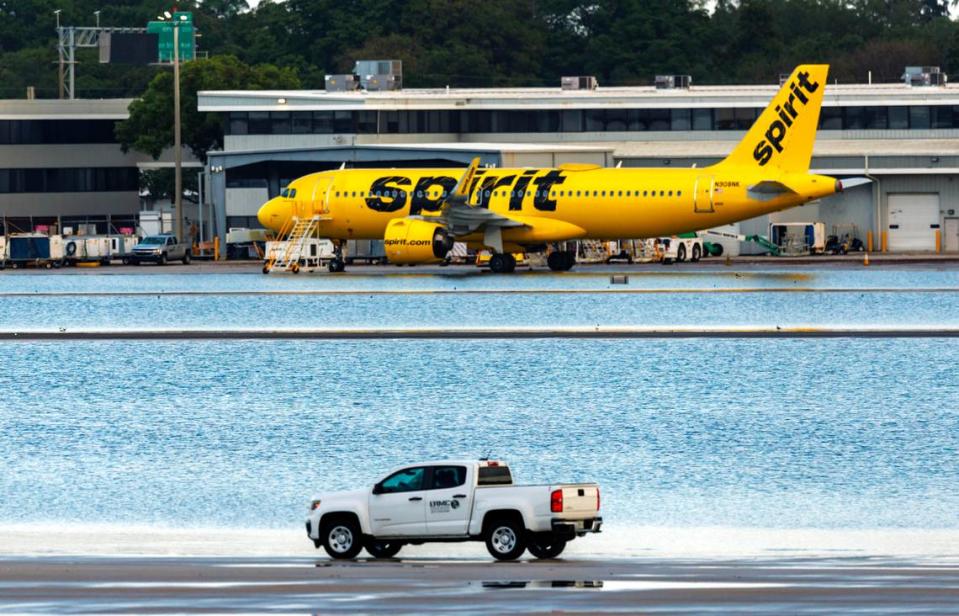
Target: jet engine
(411, 240)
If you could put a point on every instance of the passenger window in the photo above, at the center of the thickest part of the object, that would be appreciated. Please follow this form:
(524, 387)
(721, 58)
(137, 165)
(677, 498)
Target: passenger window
(670, 193)
(679, 193)
(445, 477)
(604, 193)
(594, 193)
(337, 193)
(577, 193)
(661, 193)
(620, 194)
(406, 480)
(645, 192)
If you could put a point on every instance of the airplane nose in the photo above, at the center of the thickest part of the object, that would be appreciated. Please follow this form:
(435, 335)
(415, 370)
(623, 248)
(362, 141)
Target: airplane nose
(274, 213)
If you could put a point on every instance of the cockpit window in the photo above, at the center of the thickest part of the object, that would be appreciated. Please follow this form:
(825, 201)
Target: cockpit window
(288, 193)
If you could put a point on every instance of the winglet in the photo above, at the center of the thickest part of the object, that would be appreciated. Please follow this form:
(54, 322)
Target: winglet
(782, 138)
(461, 190)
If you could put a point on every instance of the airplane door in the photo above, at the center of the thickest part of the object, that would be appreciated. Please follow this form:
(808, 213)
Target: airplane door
(703, 194)
(317, 201)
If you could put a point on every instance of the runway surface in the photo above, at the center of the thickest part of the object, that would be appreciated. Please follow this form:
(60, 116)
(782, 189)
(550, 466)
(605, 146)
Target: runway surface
(301, 585)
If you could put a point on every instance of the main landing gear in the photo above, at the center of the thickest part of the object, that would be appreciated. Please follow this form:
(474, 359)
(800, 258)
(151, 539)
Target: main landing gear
(502, 263)
(561, 260)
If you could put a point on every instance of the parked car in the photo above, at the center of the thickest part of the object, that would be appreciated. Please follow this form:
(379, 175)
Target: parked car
(159, 249)
(454, 500)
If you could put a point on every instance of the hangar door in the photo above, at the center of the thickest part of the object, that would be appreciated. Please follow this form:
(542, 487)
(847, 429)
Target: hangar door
(913, 220)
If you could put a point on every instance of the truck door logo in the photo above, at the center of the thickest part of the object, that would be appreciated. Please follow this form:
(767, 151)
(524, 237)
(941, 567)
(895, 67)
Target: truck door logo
(444, 506)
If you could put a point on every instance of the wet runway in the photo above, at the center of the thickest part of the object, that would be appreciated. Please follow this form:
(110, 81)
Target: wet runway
(197, 585)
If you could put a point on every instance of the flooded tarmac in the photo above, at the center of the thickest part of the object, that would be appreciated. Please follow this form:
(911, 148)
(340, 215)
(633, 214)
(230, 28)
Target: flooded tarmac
(98, 585)
(846, 435)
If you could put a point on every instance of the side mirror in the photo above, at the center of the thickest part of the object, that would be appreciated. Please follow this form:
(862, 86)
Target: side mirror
(378, 488)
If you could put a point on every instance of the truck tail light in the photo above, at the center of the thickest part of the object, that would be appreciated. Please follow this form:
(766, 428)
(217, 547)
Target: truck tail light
(556, 501)
(597, 499)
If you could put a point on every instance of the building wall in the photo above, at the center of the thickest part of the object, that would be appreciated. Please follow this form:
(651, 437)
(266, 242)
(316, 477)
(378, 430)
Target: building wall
(70, 204)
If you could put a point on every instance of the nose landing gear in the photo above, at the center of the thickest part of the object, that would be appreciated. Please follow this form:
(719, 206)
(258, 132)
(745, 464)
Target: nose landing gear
(338, 263)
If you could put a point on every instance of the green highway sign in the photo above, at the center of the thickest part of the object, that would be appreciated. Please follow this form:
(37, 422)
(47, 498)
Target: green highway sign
(164, 30)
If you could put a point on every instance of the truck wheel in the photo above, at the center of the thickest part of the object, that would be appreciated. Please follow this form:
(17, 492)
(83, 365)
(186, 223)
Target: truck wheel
(506, 539)
(382, 549)
(341, 538)
(163, 259)
(186, 258)
(696, 253)
(548, 546)
(681, 253)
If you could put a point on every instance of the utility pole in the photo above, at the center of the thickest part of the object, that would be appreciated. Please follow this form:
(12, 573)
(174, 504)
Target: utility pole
(60, 51)
(177, 149)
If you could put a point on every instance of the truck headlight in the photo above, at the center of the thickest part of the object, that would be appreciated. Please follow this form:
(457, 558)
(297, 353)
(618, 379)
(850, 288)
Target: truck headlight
(315, 505)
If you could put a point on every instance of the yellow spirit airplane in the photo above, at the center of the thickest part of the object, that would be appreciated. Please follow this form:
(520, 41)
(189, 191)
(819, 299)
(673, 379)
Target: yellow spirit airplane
(420, 212)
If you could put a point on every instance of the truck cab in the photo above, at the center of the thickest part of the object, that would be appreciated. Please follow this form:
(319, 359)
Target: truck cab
(454, 500)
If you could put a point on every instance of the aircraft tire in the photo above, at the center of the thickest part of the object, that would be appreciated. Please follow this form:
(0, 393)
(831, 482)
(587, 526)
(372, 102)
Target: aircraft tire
(555, 261)
(498, 264)
(681, 253)
(561, 261)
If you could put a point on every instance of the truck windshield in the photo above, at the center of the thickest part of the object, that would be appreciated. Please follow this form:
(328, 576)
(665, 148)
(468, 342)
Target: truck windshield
(494, 476)
(153, 240)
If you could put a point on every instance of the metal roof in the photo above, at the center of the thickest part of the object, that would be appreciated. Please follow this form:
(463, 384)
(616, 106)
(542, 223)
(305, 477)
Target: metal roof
(78, 109)
(554, 98)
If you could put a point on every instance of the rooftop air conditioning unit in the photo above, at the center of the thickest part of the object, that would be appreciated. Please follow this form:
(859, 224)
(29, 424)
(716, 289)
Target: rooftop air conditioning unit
(924, 76)
(586, 82)
(342, 83)
(380, 74)
(673, 82)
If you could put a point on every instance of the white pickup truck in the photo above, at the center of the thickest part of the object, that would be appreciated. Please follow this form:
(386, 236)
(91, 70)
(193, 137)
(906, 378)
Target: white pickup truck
(454, 500)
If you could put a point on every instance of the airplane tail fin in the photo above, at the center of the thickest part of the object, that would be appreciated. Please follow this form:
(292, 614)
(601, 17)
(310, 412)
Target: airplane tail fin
(781, 140)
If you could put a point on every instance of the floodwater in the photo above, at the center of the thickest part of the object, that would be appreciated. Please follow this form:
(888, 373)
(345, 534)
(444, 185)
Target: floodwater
(829, 434)
(840, 298)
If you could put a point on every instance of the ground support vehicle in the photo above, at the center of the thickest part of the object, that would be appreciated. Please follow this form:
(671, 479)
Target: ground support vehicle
(86, 249)
(160, 249)
(39, 249)
(772, 248)
(678, 248)
(313, 253)
(454, 500)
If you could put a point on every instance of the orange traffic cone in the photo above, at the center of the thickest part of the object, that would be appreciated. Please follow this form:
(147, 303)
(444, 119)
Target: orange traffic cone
(865, 259)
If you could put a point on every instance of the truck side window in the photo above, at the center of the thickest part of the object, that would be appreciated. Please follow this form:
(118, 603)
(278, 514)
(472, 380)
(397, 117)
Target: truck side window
(406, 480)
(448, 477)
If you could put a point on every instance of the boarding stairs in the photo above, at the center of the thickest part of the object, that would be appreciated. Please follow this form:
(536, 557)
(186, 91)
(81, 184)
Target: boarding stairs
(288, 258)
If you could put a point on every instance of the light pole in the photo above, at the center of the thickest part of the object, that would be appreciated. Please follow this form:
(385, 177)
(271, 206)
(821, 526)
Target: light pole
(97, 15)
(177, 148)
(60, 47)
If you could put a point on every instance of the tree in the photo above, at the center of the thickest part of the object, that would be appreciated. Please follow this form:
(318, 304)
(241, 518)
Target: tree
(149, 128)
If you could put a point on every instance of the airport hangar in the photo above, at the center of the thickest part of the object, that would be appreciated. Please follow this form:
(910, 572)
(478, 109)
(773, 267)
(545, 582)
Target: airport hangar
(904, 137)
(62, 167)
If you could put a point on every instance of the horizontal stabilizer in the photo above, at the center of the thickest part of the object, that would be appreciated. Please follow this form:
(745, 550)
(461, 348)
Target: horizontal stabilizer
(852, 183)
(769, 189)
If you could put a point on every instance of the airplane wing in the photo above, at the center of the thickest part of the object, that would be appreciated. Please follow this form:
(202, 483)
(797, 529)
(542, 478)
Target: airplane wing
(464, 218)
